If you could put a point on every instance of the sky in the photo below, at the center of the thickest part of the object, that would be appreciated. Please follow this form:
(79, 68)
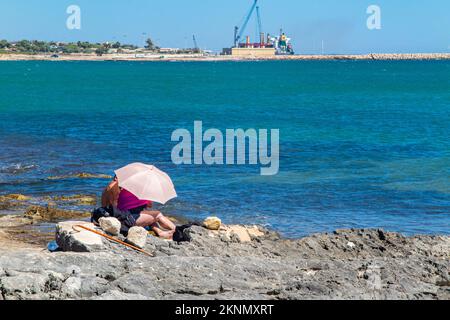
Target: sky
(340, 25)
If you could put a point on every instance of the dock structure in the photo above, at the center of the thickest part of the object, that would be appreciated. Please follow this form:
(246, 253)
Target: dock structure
(250, 52)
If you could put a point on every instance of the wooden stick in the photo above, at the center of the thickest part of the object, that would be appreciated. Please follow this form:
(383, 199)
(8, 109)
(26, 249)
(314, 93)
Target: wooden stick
(114, 239)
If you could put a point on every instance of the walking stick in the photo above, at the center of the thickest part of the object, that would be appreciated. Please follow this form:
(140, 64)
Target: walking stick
(113, 239)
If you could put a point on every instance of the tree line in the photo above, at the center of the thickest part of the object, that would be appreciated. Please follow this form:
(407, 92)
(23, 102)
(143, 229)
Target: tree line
(53, 47)
(35, 46)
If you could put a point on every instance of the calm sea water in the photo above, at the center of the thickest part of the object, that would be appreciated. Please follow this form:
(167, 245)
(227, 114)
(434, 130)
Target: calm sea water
(363, 144)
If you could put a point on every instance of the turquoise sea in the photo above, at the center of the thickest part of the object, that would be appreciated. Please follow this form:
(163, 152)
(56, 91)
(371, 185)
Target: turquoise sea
(362, 143)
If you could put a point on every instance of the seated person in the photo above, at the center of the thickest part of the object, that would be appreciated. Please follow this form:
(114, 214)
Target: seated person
(124, 200)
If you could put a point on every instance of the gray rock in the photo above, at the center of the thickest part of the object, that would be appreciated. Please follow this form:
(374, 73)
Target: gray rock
(110, 225)
(72, 287)
(93, 285)
(137, 236)
(72, 238)
(322, 266)
(119, 295)
(22, 285)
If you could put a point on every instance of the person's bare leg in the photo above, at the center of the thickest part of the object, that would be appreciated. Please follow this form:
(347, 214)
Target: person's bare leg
(159, 221)
(145, 220)
(165, 234)
(166, 223)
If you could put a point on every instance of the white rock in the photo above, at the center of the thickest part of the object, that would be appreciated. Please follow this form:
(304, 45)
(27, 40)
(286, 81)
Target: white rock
(212, 223)
(137, 236)
(254, 232)
(351, 245)
(110, 225)
(240, 232)
(72, 238)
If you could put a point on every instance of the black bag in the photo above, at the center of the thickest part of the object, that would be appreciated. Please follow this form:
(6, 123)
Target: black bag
(100, 213)
(126, 219)
(180, 234)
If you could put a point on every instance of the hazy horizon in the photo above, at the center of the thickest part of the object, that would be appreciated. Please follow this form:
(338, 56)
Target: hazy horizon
(418, 26)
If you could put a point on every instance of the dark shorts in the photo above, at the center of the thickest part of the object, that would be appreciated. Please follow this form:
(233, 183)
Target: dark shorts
(136, 212)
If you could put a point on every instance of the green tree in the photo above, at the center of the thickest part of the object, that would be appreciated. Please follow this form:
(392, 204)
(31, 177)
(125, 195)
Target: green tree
(150, 45)
(101, 51)
(71, 48)
(4, 44)
(23, 46)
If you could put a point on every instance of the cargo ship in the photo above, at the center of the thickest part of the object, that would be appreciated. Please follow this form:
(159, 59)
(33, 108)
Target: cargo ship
(267, 46)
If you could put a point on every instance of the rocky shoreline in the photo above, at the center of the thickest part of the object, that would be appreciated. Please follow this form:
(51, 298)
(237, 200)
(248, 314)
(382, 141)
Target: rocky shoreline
(234, 262)
(347, 264)
(196, 57)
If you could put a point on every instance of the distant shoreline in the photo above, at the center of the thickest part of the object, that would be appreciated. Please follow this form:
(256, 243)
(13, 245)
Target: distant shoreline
(197, 57)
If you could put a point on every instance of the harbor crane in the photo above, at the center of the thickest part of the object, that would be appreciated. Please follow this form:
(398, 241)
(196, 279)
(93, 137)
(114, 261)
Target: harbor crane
(266, 46)
(239, 31)
(259, 21)
(196, 47)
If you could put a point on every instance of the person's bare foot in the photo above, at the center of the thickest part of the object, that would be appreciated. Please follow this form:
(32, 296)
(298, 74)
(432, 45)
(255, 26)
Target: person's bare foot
(165, 234)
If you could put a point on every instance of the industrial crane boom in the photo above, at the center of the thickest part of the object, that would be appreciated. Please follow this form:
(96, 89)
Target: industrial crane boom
(259, 21)
(238, 32)
(195, 43)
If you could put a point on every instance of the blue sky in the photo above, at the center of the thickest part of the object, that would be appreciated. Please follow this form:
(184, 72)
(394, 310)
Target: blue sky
(407, 25)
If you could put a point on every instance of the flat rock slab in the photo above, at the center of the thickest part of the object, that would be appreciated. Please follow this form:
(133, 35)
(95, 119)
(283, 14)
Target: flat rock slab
(240, 233)
(376, 265)
(72, 238)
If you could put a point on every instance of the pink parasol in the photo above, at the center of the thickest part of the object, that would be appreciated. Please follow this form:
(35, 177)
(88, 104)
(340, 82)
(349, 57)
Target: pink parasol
(146, 182)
